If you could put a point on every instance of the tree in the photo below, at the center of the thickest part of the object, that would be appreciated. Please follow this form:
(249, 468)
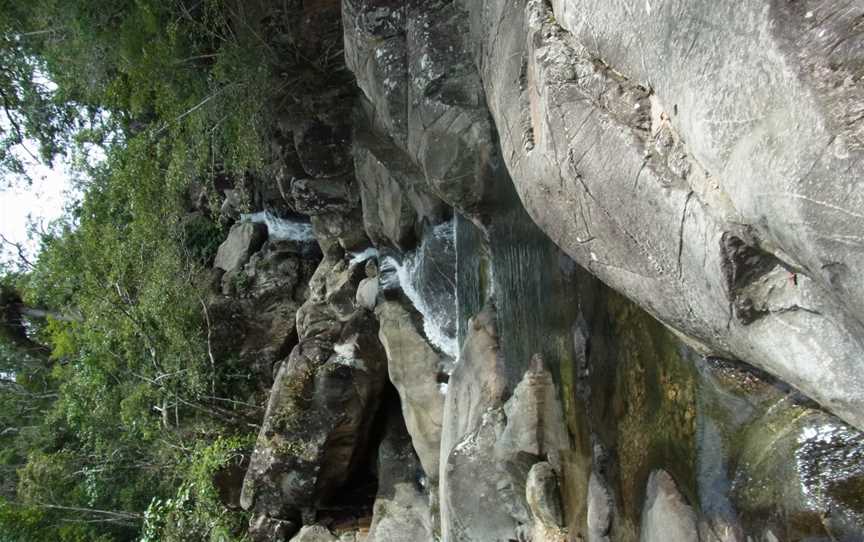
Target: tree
(17, 318)
(33, 122)
(13, 327)
(186, 91)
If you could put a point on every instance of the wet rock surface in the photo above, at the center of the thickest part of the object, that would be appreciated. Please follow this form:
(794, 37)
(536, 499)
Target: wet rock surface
(544, 496)
(789, 457)
(599, 513)
(553, 243)
(473, 418)
(666, 515)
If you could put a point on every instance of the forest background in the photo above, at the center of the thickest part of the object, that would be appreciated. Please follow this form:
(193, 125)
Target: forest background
(115, 424)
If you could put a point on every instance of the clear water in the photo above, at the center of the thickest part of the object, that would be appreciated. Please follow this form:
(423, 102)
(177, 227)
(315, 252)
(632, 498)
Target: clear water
(532, 284)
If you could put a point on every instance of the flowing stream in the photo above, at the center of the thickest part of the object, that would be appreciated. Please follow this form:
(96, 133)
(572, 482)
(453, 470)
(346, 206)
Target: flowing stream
(427, 276)
(281, 229)
(533, 285)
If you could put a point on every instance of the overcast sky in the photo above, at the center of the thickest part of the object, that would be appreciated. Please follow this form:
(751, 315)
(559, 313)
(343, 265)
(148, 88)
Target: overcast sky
(43, 201)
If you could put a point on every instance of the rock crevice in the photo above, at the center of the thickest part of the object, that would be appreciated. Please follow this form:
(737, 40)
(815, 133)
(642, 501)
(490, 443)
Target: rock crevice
(587, 272)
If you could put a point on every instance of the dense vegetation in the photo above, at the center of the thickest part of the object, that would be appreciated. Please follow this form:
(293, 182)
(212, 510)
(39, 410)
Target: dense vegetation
(114, 419)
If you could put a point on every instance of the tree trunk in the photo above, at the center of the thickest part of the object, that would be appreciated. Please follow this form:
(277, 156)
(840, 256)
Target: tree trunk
(42, 314)
(14, 314)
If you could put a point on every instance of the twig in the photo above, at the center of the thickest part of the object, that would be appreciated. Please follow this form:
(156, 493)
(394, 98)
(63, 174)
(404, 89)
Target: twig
(20, 249)
(109, 513)
(232, 401)
(209, 347)
(19, 135)
(200, 104)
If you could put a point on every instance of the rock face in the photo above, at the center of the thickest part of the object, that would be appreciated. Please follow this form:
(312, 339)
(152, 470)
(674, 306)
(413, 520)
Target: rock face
(323, 401)
(424, 94)
(473, 418)
(314, 533)
(666, 516)
(243, 240)
(251, 314)
(544, 501)
(414, 368)
(402, 512)
(589, 273)
(495, 484)
(823, 457)
(263, 529)
(599, 513)
(734, 233)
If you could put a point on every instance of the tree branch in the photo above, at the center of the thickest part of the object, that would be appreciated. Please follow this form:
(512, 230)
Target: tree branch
(209, 347)
(110, 513)
(22, 255)
(19, 134)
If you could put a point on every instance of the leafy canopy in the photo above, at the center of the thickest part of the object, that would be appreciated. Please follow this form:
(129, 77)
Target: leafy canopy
(122, 420)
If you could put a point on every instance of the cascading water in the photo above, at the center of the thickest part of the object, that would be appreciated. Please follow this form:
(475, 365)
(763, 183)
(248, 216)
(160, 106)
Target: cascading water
(360, 257)
(427, 276)
(281, 229)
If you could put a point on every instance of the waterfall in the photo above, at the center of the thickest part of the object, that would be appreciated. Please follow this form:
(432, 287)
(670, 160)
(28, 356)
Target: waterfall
(281, 229)
(427, 277)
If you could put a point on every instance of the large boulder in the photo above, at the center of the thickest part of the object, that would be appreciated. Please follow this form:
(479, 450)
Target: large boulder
(725, 205)
(376, 52)
(243, 240)
(315, 533)
(489, 446)
(543, 493)
(535, 418)
(415, 369)
(324, 148)
(423, 93)
(471, 505)
(388, 215)
(789, 467)
(322, 196)
(598, 509)
(256, 323)
(396, 197)
(319, 416)
(367, 293)
(267, 529)
(340, 231)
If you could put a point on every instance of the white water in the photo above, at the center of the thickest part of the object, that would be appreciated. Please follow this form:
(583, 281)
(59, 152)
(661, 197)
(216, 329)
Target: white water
(360, 257)
(280, 229)
(434, 321)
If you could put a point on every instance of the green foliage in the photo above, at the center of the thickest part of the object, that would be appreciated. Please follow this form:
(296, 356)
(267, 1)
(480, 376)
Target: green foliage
(21, 523)
(61, 337)
(124, 416)
(201, 238)
(242, 281)
(30, 110)
(197, 78)
(195, 513)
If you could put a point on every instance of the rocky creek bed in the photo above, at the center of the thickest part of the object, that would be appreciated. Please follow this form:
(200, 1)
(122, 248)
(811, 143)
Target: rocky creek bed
(564, 271)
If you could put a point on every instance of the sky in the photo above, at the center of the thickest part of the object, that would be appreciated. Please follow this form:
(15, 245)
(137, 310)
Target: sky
(43, 202)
